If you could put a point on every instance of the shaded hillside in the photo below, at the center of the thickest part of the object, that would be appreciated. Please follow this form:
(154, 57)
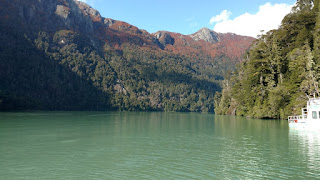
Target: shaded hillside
(281, 71)
(62, 55)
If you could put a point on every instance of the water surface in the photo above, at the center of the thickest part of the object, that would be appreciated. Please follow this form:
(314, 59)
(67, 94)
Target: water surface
(144, 145)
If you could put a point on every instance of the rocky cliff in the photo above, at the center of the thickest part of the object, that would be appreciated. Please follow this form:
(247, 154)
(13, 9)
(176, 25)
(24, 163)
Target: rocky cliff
(63, 55)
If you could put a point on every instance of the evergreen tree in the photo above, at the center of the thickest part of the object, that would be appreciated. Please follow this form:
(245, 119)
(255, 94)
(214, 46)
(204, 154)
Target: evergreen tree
(281, 70)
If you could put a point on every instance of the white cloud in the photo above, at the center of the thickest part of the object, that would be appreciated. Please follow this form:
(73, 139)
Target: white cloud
(223, 16)
(267, 18)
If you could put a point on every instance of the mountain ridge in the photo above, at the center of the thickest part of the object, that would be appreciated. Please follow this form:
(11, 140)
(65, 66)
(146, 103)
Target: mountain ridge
(115, 64)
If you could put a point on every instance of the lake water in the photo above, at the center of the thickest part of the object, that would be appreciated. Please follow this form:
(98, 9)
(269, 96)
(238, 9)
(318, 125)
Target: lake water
(153, 145)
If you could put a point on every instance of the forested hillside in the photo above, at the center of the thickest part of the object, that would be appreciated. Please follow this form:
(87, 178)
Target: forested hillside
(280, 71)
(62, 55)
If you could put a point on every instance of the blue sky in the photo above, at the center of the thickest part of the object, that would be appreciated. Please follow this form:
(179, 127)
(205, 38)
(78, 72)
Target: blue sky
(187, 17)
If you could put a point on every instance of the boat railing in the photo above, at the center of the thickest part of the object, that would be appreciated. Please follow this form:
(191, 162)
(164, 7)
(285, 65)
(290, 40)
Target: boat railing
(295, 119)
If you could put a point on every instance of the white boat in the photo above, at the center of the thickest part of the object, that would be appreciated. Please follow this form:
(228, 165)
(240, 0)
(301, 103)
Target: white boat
(310, 118)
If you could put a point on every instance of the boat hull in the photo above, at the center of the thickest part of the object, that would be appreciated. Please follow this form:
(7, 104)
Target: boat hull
(307, 126)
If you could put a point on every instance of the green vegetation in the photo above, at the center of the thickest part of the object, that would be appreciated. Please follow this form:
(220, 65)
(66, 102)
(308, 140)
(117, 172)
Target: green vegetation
(64, 70)
(280, 71)
(62, 55)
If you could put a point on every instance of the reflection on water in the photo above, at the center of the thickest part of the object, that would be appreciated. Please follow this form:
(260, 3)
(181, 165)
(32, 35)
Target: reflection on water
(252, 148)
(306, 144)
(155, 145)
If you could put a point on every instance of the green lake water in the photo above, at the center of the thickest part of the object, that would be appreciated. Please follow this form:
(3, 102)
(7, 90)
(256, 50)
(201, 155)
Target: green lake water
(153, 145)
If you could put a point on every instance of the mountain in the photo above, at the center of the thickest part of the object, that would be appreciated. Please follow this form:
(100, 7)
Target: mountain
(63, 55)
(281, 71)
(206, 41)
(206, 35)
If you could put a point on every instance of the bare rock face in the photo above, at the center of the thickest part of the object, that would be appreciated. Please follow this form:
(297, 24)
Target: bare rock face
(80, 15)
(109, 22)
(206, 35)
(62, 11)
(89, 11)
(53, 14)
(164, 37)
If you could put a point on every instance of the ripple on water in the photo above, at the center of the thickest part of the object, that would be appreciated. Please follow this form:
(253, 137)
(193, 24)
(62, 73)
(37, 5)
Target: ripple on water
(153, 146)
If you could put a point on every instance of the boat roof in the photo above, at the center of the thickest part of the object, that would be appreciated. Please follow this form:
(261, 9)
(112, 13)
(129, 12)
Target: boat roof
(314, 101)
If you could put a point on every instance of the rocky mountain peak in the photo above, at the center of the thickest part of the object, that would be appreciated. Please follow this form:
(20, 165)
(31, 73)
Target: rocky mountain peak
(89, 11)
(164, 37)
(206, 35)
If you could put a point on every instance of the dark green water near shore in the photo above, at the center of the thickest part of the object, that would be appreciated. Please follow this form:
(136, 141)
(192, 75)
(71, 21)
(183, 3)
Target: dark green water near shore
(153, 145)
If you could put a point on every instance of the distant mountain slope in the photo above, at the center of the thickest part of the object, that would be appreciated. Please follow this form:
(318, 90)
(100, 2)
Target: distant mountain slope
(63, 55)
(207, 41)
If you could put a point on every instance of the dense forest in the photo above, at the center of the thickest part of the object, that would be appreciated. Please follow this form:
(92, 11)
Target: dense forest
(62, 55)
(41, 74)
(281, 69)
